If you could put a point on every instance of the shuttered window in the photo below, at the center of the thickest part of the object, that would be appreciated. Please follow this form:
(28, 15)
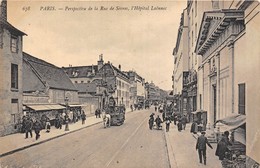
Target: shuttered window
(14, 76)
(242, 98)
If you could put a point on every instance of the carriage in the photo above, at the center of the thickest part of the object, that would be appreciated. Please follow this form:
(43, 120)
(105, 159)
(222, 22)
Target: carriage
(114, 114)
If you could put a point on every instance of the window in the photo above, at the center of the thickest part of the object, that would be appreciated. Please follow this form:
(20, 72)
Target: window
(192, 18)
(242, 98)
(196, 8)
(14, 108)
(14, 44)
(82, 82)
(192, 38)
(1, 37)
(14, 76)
(196, 32)
(76, 81)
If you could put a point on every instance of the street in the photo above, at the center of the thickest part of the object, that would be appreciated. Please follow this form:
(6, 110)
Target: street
(129, 145)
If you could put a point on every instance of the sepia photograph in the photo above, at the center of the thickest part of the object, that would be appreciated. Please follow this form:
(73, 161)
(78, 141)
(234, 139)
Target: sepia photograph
(129, 84)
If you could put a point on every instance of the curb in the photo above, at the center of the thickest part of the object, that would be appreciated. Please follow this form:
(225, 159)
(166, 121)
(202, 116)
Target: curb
(170, 153)
(46, 140)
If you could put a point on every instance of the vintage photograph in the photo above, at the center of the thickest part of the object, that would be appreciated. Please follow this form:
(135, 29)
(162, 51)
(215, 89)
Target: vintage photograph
(129, 84)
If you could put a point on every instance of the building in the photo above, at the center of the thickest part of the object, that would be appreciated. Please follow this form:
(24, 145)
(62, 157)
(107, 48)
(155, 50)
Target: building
(11, 88)
(137, 87)
(181, 68)
(109, 80)
(195, 10)
(46, 88)
(153, 92)
(227, 46)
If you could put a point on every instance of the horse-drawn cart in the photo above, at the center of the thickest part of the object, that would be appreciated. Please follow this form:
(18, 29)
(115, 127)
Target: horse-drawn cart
(114, 114)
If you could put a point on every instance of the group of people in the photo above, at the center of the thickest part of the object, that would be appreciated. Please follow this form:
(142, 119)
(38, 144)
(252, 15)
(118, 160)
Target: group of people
(158, 121)
(221, 150)
(31, 123)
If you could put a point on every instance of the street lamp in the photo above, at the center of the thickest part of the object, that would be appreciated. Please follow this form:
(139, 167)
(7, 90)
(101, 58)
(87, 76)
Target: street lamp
(66, 117)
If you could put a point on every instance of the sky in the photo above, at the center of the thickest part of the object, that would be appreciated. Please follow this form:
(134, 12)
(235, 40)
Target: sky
(139, 40)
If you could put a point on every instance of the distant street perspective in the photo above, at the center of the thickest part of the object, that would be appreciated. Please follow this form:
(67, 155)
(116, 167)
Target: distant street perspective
(129, 84)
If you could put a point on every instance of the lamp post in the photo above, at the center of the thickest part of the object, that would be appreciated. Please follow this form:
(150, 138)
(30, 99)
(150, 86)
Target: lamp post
(66, 117)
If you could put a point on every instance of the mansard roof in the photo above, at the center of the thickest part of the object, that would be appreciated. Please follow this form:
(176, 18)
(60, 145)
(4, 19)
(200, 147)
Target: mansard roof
(212, 25)
(114, 71)
(50, 75)
(8, 26)
(81, 71)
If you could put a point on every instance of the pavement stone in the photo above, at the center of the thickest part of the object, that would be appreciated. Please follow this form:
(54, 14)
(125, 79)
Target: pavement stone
(17, 142)
(182, 151)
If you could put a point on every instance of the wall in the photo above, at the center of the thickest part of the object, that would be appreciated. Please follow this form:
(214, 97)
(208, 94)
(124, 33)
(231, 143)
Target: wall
(58, 96)
(8, 116)
(247, 66)
(90, 104)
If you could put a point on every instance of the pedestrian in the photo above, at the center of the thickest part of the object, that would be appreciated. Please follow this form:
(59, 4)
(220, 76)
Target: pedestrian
(28, 126)
(96, 113)
(179, 125)
(194, 127)
(222, 146)
(155, 108)
(158, 122)
(201, 146)
(48, 125)
(175, 118)
(167, 123)
(23, 124)
(83, 117)
(151, 121)
(184, 121)
(37, 128)
(163, 116)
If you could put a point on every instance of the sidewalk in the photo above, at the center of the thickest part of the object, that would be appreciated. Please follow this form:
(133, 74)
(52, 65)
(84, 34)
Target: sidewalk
(182, 152)
(16, 142)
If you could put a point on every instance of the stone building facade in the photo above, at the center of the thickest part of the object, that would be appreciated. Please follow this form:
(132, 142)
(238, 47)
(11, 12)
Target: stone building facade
(11, 46)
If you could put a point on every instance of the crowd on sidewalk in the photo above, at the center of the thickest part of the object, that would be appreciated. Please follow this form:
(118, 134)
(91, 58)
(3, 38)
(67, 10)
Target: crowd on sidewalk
(31, 123)
(201, 140)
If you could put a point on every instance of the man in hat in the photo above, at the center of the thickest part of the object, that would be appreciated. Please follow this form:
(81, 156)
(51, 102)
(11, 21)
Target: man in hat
(201, 146)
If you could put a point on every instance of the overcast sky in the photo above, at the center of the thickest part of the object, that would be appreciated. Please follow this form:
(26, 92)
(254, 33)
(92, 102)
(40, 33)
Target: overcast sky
(138, 40)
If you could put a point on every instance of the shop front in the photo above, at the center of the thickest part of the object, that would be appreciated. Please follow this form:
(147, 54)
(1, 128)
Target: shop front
(236, 125)
(43, 111)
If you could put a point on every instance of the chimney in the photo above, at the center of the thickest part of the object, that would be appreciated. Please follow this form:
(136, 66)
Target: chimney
(119, 67)
(100, 61)
(3, 10)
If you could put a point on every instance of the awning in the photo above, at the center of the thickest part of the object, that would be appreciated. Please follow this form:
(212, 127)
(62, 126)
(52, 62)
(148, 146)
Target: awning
(42, 107)
(230, 123)
(56, 107)
(76, 105)
(198, 111)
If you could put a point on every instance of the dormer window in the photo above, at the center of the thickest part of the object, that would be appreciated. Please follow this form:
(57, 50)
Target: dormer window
(14, 44)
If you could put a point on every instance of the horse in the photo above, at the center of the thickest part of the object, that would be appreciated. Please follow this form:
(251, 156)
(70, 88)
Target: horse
(106, 120)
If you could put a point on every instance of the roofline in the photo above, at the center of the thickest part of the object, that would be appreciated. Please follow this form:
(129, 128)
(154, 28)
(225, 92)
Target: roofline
(10, 26)
(78, 66)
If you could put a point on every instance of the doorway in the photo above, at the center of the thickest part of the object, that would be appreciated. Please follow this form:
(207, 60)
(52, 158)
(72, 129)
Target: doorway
(214, 103)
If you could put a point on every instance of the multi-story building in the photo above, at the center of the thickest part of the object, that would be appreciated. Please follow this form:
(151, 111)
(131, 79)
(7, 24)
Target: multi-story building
(137, 87)
(11, 87)
(104, 75)
(227, 45)
(153, 92)
(180, 73)
(195, 10)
